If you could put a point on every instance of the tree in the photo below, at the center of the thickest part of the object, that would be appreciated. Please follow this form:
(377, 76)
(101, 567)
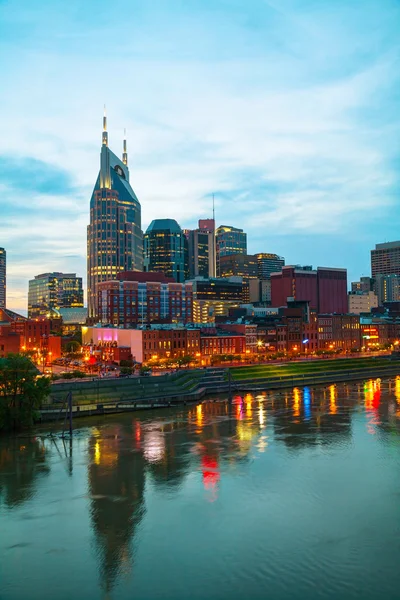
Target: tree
(72, 346)
(184, 361)
(21, 392)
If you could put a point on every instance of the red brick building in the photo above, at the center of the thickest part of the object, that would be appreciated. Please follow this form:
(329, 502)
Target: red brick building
(221, 343)
(325, 289)
(136, 298)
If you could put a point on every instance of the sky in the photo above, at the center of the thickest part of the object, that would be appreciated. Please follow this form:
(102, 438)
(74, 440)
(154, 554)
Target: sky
(287, 110)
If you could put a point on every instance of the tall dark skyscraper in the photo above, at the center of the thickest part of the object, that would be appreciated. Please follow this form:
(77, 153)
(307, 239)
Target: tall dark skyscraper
(165, 248)
(201, 248)
(229, 240)
(3, 256)
(114, 236)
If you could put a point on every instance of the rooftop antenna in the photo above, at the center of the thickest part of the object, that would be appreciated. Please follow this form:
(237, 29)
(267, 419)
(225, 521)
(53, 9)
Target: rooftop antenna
(213, 211)
(105, 134)
(125, 153)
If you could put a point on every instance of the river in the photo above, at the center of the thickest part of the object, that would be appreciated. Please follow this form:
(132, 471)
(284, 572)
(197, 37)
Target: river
(283, 495)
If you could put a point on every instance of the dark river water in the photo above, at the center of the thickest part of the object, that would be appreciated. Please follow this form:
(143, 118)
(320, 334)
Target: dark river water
(289, 495)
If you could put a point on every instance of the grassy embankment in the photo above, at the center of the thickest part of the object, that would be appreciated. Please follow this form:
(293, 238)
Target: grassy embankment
(298, 369)
(112, 390)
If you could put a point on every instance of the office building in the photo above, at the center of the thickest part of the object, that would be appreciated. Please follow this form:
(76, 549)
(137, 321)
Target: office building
(136, 299)
(362, 302)
(238, 265)
(325, 288)
(114, 235)
(201, 249)
(365, 285)
(385, 259)
(268, 263)
(229, 240)
(3, 281)
(49, 292)
(214, 297)
(387, 288)
(165, 249)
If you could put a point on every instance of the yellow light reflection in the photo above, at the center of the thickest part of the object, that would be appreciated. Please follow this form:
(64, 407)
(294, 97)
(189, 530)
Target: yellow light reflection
(261, 415)
(248, 409)
(332, 399)
(97, 453)
(199, 415)
(296, 402)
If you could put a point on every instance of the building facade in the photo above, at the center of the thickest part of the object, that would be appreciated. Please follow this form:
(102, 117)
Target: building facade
(49, 292)
(268, 263)
(365, 285)
(144, 344)
(201, 249)
(362, 302)
(385, 259)
(387, 288)
(141, 298)
(238, 265)
(165, 249)
(229, 240)
(325, 288)
(114, 235)
(3, 278)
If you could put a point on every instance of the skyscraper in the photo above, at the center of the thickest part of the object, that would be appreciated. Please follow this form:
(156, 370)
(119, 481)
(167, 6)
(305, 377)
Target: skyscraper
(3, 256)
(50, 291)
(114, 236)
(385, 259)
(201, 249)
(229, 240)
(164, 249)
(268, 263)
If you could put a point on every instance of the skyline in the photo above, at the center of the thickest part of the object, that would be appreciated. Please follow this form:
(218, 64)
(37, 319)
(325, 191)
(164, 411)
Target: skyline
(285, 111)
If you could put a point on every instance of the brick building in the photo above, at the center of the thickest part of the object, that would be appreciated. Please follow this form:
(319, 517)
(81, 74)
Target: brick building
(135, 298)
(325, 288)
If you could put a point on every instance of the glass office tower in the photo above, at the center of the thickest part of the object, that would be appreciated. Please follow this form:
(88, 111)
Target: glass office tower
(114, 235)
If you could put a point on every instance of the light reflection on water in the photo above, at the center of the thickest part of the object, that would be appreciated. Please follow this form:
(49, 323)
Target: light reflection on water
(290, 494)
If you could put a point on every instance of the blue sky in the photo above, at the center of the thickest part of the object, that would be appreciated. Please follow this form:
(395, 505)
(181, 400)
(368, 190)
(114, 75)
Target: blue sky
(288, 110)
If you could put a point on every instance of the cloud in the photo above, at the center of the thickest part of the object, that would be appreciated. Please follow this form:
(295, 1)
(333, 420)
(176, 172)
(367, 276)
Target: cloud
(287, 111)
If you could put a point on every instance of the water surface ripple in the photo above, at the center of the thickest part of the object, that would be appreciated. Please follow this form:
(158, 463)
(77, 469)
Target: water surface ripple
(288, 495)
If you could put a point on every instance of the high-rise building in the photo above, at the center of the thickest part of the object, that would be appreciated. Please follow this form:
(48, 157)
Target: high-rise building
(387, 288)
(325, 289)
(268, 263)
(114, 236)
(201, 249)
(385, 259)
(50, 291)
(165, 248)
(229, 240)
(141, 298)
(3, 286)
(238, 265)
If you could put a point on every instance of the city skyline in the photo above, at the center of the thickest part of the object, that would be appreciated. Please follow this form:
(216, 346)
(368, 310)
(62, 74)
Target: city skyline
(285, 111)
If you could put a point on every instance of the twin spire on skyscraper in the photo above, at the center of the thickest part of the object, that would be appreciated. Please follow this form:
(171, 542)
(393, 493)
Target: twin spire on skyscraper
(105, 139)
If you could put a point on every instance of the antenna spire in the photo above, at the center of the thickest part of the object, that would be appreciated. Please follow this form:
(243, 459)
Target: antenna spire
(213, 211)
(105, 134)
(125, 153)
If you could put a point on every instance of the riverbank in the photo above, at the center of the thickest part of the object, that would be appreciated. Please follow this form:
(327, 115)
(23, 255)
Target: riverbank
(121, 395)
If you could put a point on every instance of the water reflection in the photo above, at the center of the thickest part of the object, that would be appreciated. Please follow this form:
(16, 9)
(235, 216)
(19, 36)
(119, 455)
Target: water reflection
(132, 457)
(22, 465)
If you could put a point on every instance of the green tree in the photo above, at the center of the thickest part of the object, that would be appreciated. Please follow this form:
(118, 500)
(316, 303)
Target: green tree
(21, 392)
